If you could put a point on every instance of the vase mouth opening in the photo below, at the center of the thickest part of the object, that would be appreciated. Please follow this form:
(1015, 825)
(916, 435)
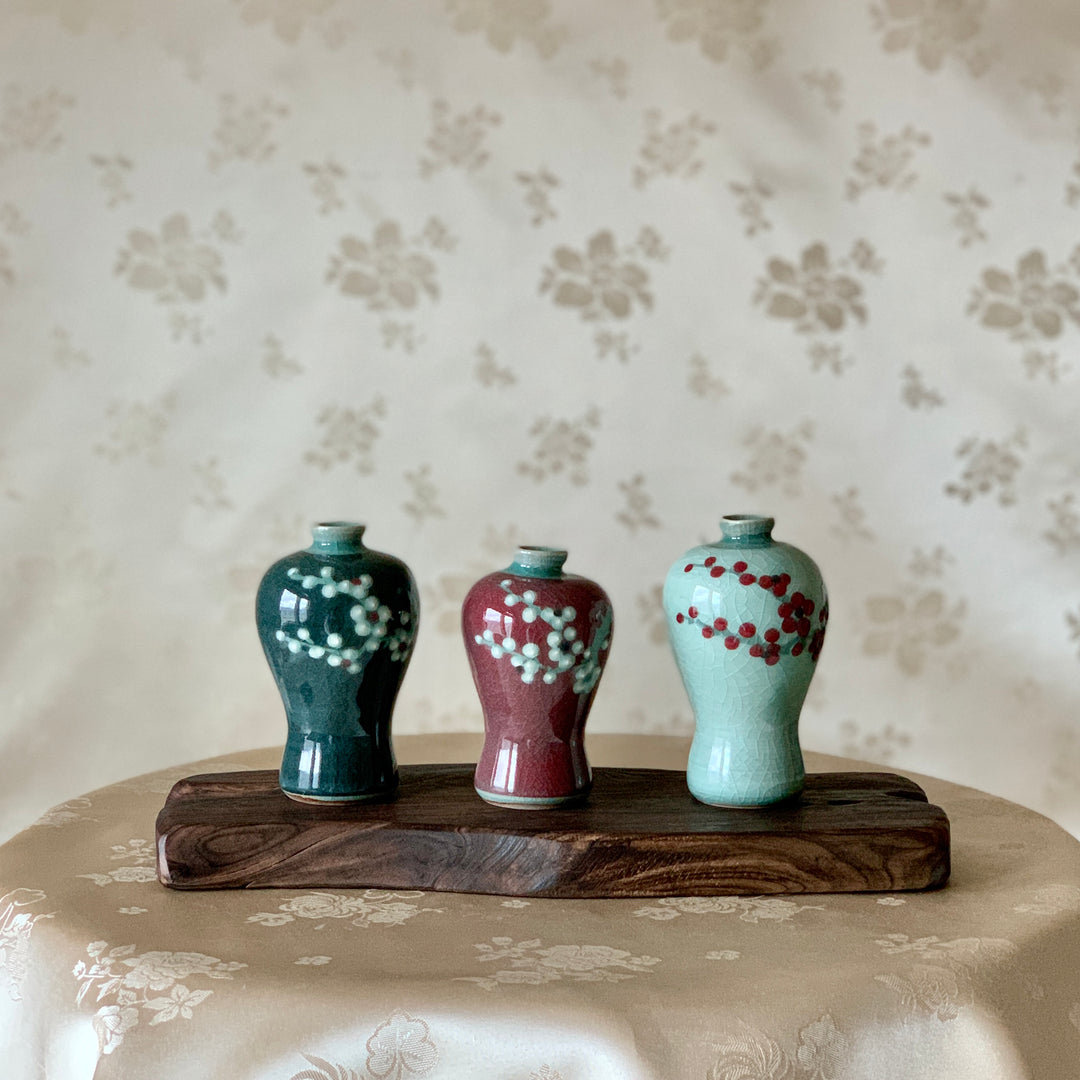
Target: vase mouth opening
(337, 535)
(537, 557)
(740, 525)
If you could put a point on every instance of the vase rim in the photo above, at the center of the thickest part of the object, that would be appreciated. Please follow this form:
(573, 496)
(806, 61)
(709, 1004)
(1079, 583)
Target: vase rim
(539, 558)
(340, 536)
(746, 525)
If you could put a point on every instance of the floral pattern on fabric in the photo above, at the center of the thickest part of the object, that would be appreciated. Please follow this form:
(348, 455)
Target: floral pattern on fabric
(137, 985)
(530, 962)
(16, 926)
(751, 909)
(371, 907)
(141, 857)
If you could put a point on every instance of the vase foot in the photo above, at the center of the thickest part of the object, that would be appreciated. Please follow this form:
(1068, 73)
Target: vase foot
(772, 804)
(527, 802)
(377, 796)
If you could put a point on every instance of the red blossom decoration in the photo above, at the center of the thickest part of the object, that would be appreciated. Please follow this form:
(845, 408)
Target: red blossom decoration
(794, 612)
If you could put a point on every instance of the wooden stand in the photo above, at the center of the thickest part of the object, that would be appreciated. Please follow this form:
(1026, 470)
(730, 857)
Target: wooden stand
(640, 833)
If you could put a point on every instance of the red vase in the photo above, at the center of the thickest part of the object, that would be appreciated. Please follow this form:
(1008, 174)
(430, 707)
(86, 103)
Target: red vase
(537, 640)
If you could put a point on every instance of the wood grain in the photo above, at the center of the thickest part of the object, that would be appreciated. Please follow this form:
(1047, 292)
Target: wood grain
(640, 833)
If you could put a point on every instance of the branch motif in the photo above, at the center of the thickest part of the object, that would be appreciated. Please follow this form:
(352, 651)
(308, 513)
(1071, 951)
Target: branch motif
(794, 613)
(371, 621)
(565, 652)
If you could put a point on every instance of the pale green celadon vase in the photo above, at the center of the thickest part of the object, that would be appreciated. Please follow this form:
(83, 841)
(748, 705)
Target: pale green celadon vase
(746, 617)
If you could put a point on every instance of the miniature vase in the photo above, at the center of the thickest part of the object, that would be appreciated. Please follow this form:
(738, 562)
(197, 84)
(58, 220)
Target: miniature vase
(746, 618)
(537, 641)
(337, 623)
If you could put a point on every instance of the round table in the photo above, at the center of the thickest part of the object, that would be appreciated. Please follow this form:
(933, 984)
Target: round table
(105, 974)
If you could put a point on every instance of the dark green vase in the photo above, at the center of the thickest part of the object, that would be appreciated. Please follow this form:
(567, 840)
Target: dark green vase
(337, 623)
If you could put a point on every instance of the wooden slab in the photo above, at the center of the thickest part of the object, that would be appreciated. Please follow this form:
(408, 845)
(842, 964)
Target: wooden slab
(640, 833)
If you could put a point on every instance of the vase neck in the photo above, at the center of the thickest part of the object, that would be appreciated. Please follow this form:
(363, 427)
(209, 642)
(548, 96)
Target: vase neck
(337, 538)
(750, 530)
(543, 562)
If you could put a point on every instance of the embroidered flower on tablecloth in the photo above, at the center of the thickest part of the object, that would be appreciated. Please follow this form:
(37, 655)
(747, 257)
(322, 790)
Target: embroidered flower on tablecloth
(400, 1047)
(530, 963)
(751, 909)
(401, 1044)
(939, 981)
(369, 908)
(16, 926)
(151, 982)
(753, 1055)
(140, 853)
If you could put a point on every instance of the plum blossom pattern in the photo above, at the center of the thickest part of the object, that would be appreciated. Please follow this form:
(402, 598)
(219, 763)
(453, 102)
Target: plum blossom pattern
(718, 25)
(534, 965)
(800, 624)
(566, 652)
(173, 263)
(147, 983)
(374, 625)
(935, 30)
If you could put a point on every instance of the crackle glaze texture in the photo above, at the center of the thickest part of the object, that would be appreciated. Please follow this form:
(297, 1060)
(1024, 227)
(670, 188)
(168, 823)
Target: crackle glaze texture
(537, 641)
(337, 623)
(747, 618)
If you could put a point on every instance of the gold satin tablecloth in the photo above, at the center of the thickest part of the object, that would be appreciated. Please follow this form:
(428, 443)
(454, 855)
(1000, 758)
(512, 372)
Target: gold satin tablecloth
(105, 974)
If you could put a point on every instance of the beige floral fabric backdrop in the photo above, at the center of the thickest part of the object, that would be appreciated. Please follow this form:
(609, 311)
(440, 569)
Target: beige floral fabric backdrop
(481, 272)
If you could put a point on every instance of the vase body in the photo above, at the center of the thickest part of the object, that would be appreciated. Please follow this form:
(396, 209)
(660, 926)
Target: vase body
(337, 623)
(537, 640)
(746, 618)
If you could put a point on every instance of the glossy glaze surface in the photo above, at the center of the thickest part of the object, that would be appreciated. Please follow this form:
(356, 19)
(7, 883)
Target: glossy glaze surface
(747, 618)
(337, 623)
(537, 640)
